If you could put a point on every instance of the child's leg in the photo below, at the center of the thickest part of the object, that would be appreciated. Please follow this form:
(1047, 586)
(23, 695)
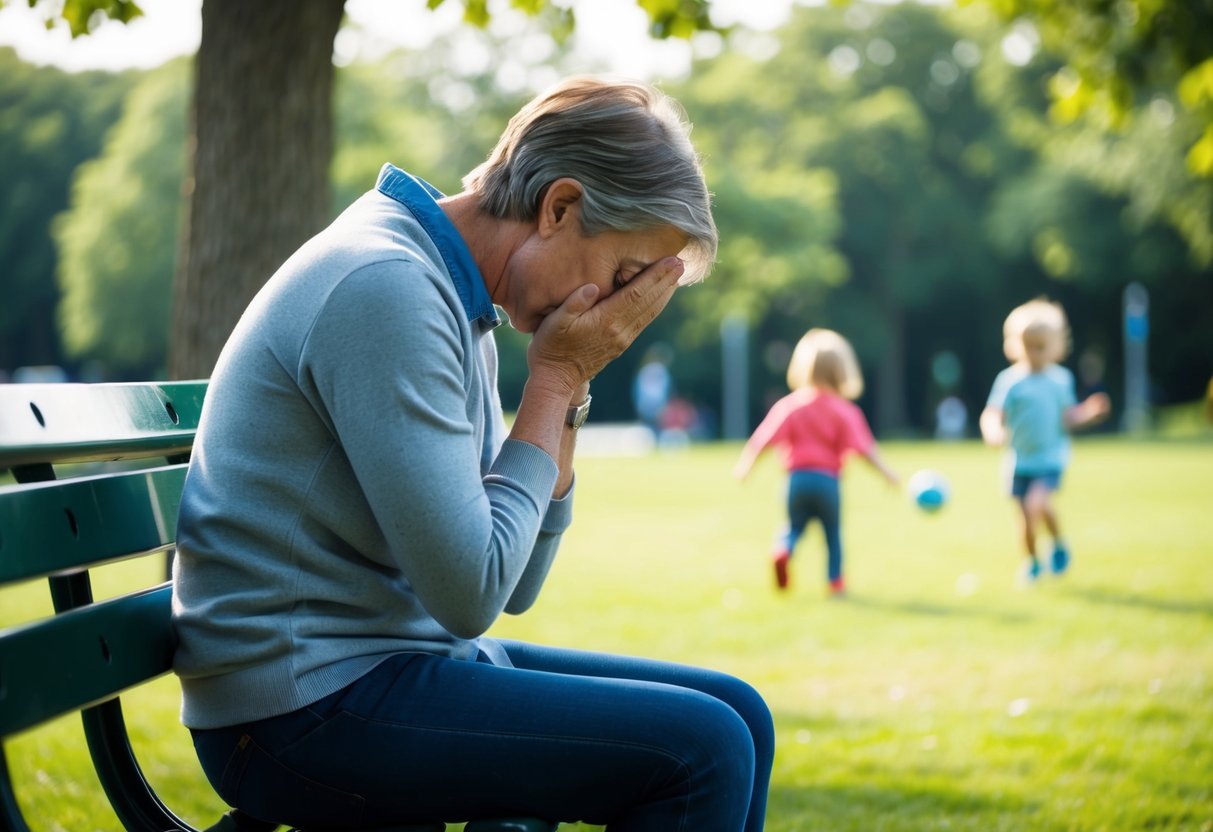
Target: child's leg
(1023, 489)
(831, 524)
(1036, 510)
(1047, 513)
(1048, 485)
(817, 499)
(803, 506)
(781, 553)
(785, 543)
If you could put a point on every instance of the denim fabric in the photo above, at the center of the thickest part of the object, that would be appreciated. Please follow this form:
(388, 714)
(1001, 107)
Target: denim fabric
(1022, 483)
(565, 735)
(814, 495)
(421, 198)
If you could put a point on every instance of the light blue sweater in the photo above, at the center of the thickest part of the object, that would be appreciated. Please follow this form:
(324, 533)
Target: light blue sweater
(350, 496)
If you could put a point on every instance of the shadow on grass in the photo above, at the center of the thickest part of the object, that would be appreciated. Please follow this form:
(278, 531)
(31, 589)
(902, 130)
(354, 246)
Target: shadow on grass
(906, 807)
(926, 609)
(1121, 598)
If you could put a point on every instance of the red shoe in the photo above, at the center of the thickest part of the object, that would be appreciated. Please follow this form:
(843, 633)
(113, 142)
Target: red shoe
(781, 569)
(837, 588)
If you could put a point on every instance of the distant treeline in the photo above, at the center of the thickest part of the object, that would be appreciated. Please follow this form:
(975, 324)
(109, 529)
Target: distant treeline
(881, 170)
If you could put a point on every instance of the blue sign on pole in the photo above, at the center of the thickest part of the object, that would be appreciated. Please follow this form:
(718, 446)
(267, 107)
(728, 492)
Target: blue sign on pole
(734, 341)
(1137, 372)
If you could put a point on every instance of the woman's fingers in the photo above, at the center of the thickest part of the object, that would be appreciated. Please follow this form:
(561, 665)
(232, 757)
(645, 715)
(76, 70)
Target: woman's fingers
(585, 333)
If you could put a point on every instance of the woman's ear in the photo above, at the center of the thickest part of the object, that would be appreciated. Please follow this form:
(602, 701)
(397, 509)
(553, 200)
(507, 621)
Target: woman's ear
(559, 207)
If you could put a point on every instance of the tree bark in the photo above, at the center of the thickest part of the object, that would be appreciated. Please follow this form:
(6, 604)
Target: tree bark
(262, 145)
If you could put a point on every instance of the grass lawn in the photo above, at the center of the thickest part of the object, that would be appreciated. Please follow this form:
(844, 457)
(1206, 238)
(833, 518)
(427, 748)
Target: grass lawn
(936, 696)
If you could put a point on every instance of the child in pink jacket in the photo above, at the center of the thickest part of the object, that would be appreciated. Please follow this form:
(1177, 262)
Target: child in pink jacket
(815, 428)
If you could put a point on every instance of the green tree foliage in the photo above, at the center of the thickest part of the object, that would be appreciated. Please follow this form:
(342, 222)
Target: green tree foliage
(881, 170)
(50, 121)
(118, 241)
(425, 117)
(233, 242)
(1117, 54)
(1130, 89)
(878, 101)
(954, 197)
(1097, 209)
(83, 16)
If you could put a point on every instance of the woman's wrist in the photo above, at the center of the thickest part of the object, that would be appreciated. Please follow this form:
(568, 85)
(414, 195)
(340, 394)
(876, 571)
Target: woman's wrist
(556, 385)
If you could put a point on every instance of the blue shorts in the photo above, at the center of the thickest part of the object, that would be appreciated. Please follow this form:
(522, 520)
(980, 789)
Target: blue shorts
(1020, 483)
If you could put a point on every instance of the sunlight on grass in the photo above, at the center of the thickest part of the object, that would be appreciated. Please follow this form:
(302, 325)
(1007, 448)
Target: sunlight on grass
(936, 696)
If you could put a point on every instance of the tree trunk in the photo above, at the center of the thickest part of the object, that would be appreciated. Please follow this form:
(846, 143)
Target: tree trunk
(263, 141)
(890, 372)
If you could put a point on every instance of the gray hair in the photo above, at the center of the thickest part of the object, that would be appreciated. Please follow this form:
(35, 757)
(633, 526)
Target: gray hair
(627, 144)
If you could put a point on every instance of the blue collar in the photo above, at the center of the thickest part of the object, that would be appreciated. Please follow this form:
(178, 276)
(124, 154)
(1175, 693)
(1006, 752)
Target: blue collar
(421, 198)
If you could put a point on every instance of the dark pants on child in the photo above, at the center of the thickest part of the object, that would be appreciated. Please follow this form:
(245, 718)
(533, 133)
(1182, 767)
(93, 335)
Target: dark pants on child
(814, 495)
(635, 744)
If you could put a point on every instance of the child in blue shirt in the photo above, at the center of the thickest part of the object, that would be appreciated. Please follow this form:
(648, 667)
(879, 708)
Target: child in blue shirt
(1032, 407)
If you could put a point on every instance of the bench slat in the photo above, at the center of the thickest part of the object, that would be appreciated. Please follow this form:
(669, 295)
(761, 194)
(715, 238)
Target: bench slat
(82, 657)
(52, 423)
(52, 527)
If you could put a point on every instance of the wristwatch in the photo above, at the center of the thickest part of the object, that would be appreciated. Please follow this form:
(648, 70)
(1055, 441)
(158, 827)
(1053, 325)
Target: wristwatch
(575, 417)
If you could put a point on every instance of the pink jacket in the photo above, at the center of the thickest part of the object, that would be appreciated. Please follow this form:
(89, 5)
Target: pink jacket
(813, 429)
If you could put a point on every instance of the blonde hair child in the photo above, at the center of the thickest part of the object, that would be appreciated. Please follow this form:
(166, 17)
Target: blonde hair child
(1032, 408)
(815, 428)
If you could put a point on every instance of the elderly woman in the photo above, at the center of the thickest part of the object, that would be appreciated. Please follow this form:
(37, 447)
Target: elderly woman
(356, 517)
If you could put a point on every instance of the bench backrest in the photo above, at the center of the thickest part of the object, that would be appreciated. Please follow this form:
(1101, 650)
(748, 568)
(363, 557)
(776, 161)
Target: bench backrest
(57, 528)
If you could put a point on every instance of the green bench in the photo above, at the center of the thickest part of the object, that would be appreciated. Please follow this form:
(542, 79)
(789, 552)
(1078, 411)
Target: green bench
(60, 520)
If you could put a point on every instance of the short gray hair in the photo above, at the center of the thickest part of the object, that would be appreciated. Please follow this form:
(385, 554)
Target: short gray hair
(627, 144)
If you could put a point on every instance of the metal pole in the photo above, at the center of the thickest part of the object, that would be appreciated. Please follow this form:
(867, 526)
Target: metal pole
(735, 364)
(1136, 302)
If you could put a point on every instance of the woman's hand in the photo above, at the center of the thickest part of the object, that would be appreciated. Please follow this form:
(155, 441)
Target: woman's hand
(586, 333)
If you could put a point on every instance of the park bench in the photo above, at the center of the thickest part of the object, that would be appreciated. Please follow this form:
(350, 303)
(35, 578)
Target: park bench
(62, 519)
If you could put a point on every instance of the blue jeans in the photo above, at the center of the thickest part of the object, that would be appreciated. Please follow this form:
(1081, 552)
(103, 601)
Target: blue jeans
(814, 495)
(563, 735)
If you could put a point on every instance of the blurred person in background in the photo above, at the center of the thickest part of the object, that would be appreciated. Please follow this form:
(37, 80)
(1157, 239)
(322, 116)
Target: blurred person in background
(1032, 408)
(815, 428)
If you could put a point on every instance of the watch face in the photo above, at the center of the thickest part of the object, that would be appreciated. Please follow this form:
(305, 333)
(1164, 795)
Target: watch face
(578, 413)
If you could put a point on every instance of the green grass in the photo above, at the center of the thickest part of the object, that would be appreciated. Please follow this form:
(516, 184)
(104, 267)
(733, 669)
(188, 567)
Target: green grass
(937, 696)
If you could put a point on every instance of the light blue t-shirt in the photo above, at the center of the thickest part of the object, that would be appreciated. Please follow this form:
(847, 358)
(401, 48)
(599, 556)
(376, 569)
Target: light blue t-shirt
(1034, 406)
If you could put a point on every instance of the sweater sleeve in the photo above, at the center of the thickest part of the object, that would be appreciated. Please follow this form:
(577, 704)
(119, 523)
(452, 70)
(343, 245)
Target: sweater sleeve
(856, 430)
(772, 429)
(558, 518)
(388, 364)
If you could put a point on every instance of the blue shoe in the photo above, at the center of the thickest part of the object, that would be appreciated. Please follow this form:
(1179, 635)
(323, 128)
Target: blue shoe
(1061, 559)
(1029, 574)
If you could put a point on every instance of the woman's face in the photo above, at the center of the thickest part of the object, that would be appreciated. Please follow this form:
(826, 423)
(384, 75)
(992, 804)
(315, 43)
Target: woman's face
(549, 267)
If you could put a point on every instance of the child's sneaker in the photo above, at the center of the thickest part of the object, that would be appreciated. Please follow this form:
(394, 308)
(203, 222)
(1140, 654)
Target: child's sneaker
(781, 569)
(1061, 559)
(1029, 574)
(837, 588)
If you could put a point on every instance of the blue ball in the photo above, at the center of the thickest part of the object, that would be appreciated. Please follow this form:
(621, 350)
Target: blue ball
(930, 490)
